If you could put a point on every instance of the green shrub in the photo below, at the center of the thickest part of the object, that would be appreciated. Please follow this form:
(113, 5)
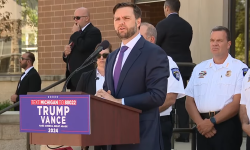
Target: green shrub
(5, 104)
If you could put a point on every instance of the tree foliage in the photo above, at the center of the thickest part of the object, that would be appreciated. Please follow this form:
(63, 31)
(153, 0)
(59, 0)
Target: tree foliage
(240, 30)
(9, 26)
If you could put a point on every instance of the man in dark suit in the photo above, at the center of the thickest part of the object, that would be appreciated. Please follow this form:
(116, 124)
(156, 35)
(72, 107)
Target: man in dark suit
(136, 76)
(82, 43)
(30, 80)
(174, 35)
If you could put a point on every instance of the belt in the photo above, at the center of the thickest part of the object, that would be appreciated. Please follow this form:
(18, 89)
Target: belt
(209, 114)
(167, 117)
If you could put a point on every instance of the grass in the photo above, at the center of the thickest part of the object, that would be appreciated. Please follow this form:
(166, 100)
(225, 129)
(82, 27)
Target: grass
(5, 104)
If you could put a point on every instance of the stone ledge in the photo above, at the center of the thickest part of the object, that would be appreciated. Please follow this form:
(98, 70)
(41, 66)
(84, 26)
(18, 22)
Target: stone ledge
(13, 144)
(12, 132)
(10, 117)
(13, 78)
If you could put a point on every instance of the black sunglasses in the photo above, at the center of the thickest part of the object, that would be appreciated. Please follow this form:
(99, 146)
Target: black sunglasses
(24, 58)
(78, 17)
(104, 55)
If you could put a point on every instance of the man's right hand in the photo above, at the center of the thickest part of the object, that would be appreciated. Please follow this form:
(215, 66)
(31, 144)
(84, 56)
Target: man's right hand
(67, 49)
(210, 133)
(246, 128)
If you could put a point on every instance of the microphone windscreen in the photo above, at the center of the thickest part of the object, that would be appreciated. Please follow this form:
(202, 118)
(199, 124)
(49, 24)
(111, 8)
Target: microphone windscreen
(105, 44)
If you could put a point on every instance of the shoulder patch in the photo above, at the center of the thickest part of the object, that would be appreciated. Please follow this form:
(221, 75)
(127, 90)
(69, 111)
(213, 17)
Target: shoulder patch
(176, 73)
(244, 71)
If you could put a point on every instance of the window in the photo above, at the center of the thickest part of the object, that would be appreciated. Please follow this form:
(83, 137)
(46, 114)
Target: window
(18, 33)
(239, 30)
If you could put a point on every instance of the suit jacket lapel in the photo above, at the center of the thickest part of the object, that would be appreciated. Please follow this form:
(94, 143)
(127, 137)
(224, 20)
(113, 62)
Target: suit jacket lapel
(93, 82)
(20, 82)
(135, 52)
(110, 73)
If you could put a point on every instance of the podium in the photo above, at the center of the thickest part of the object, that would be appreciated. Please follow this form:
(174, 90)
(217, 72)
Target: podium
(111, 124)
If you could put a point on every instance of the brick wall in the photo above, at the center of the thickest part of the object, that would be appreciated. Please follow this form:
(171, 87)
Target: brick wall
(152, 12)
(54, 29)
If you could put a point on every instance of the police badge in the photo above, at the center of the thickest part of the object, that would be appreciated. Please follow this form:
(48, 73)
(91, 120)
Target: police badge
(202, 74)
(244, 71)
(176, 73)
(228, 74)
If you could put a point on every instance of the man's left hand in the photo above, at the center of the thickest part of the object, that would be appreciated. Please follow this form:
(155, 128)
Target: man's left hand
(107, 95)
(13, 98)
(205, 126)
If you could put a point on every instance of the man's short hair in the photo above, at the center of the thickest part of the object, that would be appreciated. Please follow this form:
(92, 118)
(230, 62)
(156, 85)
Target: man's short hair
(173, 4)
(151, 30)
(221, 28)
(31, 56)
(137, 10)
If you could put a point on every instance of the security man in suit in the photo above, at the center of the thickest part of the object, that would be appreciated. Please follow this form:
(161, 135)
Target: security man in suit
(175, 88)
(174, 35)
(245, 106)
(82, 43)
(213, 96)
(30, 80)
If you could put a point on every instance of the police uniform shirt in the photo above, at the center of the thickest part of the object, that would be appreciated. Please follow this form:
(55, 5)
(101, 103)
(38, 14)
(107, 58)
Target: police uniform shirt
(245, 93)
(175, 84)
(213, 86)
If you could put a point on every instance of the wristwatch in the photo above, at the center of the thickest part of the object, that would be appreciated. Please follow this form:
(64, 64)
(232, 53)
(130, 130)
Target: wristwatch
(212, 119)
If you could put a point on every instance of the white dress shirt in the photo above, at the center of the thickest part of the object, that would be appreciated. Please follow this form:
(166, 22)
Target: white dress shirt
(175, 84)
(173, 13)
(245, 93)
(213, 86)
(130, 46)
(99, 80)
(85, 26)
(26, 71)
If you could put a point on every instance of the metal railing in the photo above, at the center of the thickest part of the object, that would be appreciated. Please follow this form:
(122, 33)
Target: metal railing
(186, 130)
(43, 90)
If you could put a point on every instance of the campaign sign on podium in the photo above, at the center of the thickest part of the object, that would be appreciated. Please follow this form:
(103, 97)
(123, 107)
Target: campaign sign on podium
(66, 114)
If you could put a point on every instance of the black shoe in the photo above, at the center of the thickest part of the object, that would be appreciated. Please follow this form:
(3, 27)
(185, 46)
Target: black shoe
(179, 139)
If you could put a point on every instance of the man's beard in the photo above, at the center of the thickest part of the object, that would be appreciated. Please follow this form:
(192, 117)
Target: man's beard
(24, 65)
(131, 31)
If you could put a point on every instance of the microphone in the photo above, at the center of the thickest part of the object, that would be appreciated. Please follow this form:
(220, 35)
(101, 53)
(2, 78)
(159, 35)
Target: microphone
(103, 45)
(97, 78)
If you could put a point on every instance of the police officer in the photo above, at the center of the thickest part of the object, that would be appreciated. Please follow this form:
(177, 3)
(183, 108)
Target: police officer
(175, 88)
(245, 106)
(213, 96)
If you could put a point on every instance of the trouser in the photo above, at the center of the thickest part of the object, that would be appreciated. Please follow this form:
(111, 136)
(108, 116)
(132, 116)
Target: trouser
(167, 130)
(183, 117)
(238, 137)
(102, 147)
(224, 139)
(248, 143)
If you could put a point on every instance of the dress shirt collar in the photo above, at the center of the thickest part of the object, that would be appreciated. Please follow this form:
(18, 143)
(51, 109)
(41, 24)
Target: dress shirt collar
(85, 26)
(226, 63)
(132, 43)
(173, 13)
(26, 71)
(98, 73)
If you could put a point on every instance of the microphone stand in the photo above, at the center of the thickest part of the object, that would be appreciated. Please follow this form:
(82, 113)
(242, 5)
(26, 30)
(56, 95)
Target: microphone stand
(74, 72)
(91, 57)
